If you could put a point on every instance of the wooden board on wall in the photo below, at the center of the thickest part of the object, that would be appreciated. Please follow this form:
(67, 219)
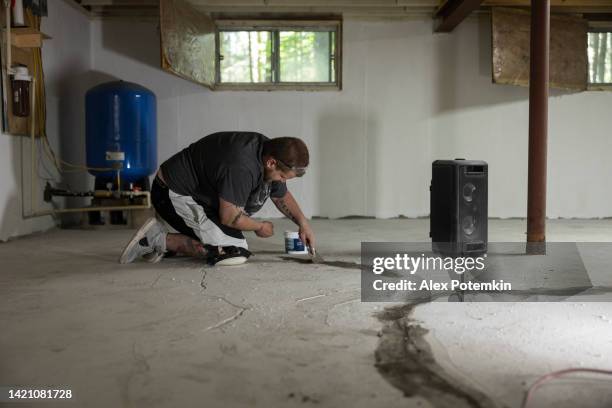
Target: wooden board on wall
(510, 30)
(187, 42)
(19, 126)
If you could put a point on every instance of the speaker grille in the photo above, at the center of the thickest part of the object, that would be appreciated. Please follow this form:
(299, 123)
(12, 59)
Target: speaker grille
(459, 206)
(442, 189)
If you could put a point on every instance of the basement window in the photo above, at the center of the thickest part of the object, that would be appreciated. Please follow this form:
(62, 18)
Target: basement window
(600, 58)
(270, 55)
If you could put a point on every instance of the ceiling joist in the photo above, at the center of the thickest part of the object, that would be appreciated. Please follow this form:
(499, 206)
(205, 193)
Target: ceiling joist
(449, 12)
(453, 12)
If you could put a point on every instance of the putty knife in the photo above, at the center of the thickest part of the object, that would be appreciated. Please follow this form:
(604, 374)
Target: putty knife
(315, 257)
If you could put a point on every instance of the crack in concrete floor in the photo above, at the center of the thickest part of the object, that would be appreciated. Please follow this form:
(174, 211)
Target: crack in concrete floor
(310, 298)
(405, 359)
(140, 368)
(223, 322)
(334, 264)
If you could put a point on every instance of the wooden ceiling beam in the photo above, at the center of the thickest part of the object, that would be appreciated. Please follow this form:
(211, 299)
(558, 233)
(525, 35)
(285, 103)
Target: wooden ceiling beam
(374, 9)
(453, 12)
(119, 3)
(347, 11)
(316, 3)
(553, 3)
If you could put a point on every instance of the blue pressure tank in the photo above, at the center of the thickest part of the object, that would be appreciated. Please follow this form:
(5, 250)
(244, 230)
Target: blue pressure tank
(121, 131)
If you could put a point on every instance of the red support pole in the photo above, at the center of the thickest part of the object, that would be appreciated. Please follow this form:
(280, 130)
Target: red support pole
(538, 120)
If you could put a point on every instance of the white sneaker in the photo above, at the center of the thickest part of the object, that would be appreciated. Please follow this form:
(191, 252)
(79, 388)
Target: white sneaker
(230, 256)
(232, 261)
(149, 242)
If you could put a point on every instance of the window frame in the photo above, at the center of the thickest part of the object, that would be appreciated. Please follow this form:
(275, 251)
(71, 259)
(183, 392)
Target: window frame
(275, 26)
(597, 86)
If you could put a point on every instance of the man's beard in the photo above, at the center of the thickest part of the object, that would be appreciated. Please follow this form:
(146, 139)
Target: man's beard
(266, 177)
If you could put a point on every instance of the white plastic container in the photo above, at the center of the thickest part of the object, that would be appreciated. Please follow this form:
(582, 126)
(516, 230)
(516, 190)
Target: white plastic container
(18, 20)
(293, 244)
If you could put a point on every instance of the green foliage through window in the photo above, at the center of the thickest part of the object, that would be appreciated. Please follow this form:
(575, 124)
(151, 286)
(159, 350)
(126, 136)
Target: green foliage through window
(306, 56)
(600, 57)
(246, 56)
(278, 56)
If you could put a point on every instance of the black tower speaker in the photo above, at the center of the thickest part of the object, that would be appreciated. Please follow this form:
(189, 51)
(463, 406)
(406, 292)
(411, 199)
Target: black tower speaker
(458, 217)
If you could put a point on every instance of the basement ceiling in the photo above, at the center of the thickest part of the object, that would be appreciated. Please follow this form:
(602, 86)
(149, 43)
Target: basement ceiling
(595, 9)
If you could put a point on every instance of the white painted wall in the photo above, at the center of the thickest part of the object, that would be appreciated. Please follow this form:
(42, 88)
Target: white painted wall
(473, 118)
(67, 62)
(370, 143)
(409, 97)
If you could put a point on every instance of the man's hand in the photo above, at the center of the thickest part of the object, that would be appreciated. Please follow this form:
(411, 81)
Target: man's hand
(307, 236)
(234, 216)
(266, 230)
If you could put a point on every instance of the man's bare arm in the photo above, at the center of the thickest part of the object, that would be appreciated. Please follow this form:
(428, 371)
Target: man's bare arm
(233, 216)
(290, 208)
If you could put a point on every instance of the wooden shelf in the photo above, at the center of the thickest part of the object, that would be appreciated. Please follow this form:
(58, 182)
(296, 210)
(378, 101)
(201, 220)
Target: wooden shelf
(26, 37)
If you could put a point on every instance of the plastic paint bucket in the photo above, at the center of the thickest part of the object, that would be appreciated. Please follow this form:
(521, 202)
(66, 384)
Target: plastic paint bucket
(293, 244)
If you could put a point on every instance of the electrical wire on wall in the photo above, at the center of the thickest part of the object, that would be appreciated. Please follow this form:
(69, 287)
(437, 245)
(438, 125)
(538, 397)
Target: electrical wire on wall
(40, 146)
(62, 166)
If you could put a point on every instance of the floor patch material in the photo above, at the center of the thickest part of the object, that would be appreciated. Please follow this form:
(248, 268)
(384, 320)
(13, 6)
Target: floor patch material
(405, 359)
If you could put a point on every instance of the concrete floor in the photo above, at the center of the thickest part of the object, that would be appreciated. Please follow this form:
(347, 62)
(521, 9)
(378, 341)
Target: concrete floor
(273, 332)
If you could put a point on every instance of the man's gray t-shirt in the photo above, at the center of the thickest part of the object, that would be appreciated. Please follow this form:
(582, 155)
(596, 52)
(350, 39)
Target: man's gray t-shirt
(224, 165)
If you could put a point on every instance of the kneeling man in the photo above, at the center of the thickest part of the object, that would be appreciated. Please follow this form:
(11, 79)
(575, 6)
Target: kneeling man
(208, 192)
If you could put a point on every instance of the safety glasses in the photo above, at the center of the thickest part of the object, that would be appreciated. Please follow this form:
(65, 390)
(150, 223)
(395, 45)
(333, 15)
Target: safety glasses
(299, 171)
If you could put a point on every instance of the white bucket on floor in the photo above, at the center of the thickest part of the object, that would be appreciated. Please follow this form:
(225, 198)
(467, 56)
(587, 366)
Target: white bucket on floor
(293, 244)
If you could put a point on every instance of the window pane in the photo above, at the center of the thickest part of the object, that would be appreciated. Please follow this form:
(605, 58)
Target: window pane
(600, 58)
(246, 56)
(305, 56)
